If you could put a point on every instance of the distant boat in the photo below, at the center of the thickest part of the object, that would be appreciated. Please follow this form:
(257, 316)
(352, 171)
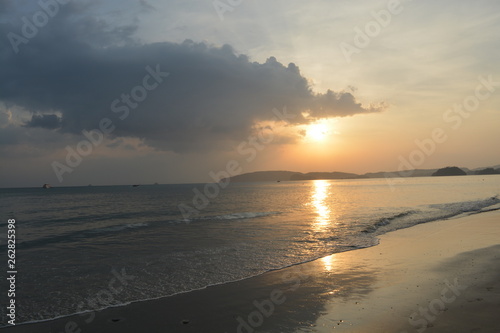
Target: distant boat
(135, 185)
(46, 186)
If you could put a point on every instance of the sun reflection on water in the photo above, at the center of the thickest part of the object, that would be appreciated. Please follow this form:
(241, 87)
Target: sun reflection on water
(325, 222)
(318, 201)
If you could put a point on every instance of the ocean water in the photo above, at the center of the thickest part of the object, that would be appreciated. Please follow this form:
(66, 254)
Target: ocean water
(87, 248)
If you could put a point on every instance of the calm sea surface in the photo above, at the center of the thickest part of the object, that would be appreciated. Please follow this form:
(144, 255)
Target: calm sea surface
(87, 248)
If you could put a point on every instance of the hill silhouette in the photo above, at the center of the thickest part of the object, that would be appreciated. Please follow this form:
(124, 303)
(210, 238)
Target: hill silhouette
(450, 171)
(283, 175)
(488, 171)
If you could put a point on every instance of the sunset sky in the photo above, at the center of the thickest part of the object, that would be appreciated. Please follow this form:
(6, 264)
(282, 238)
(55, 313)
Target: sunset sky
(171, 90)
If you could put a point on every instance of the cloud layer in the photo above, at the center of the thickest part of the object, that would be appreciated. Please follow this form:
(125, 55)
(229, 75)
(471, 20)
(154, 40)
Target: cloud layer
(78, 70)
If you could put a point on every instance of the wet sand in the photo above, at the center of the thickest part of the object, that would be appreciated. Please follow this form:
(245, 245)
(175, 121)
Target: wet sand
(436, 277)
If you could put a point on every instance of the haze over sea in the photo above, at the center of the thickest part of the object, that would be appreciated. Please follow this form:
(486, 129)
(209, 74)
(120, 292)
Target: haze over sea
(101, 246)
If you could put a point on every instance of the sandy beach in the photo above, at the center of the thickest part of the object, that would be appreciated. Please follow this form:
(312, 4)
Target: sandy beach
(435, 277)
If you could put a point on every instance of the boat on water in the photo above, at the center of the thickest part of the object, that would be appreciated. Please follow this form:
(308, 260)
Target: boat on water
(46, 186)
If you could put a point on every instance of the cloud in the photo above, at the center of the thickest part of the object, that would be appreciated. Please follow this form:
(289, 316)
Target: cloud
(76, 66)
(332, 104)
(146, 5)
(48, 121)
(5, 117)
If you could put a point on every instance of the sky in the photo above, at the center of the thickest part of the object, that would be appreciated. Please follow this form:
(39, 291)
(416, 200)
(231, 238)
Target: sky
(173, 91)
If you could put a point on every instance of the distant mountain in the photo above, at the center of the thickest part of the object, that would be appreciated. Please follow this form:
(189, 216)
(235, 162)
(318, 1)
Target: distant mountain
(263, 176)
(488, 171)
(274, 176)
(450, 171)
(482, 168)
(406, 173)
(324, 175)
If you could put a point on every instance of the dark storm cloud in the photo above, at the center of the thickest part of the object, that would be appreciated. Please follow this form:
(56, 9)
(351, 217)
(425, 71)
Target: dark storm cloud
(77, 66)
(48, 121)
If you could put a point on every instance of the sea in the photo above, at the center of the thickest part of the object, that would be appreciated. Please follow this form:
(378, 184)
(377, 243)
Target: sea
(81, 249)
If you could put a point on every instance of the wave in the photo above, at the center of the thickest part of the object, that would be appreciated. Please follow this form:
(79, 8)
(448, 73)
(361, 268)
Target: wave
(79, 235)
(432, 213)
(383, 221)
(468, 206)
(118, 228)
(244, 215)
(102, 216)
(95, 232)
(231, 216)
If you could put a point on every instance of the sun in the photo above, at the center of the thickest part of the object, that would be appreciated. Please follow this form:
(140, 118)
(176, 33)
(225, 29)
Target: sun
(317, 132)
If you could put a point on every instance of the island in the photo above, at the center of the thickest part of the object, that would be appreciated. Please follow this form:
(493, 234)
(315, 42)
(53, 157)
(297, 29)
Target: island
(450, 171)
(280, 176)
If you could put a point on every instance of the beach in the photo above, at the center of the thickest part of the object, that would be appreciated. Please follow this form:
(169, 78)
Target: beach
(441, 276)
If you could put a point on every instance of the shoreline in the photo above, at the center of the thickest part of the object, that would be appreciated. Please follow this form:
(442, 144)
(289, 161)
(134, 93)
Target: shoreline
(374, 289)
